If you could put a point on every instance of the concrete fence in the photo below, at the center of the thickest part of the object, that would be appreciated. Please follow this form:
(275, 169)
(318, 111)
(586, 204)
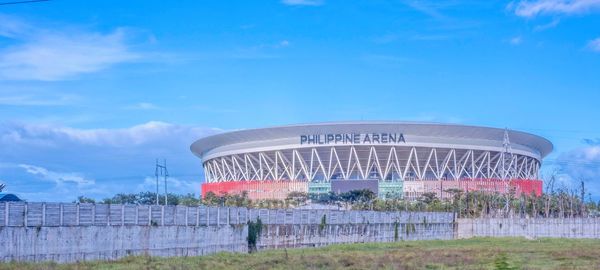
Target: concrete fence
(311, 228)
(66, 232)
(529, 227)
(21, 214)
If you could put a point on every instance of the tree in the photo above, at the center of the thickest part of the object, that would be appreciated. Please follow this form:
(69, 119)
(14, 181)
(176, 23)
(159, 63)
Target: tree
(189, 200)
(297, 197)
(361, 196)
(456, 199)
(83, 199)
(149, 198)
(210, 198)
(122, 198)
(327, 198)
(2, 187)
(428, 197)
(146, 198)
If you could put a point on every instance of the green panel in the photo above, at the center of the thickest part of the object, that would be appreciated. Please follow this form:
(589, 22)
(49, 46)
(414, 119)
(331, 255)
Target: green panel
(390, 189)
(319, 188)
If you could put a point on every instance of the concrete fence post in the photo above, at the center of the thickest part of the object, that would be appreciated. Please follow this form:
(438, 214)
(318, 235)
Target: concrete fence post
(197, 216)
(162, 215)
(108, 215)
(25, 214)
(60, 214)
(187, 210)
(5, 213)
(122, 215)
(207, 216)
(77, 216)
(43, 214)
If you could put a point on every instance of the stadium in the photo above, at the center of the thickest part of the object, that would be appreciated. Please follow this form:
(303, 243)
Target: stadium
(393, 159)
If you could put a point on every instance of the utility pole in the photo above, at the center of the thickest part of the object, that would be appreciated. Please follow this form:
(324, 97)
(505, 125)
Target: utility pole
(166, 174)
(156, 174)
(161, 170)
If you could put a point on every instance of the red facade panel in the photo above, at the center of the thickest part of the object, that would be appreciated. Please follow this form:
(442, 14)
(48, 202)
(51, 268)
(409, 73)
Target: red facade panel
(257, 190)
(520, 186)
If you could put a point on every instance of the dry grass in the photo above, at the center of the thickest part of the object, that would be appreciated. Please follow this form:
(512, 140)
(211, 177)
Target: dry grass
(478, 253)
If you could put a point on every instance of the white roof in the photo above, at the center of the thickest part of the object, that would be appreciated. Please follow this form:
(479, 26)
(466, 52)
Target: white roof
(436, 133)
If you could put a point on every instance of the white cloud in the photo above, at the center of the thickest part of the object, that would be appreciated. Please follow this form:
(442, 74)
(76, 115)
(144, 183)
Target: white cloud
(11, 27)
(302, 2)
(428, 8)
(96, 162)
(549, 25)
(143, 106)
(284, 43)
(594, 45)
(36, 100)
(554, 7)
(59, 54)
(57, 177)
(515, 40)
(582, 164)
(135, 135)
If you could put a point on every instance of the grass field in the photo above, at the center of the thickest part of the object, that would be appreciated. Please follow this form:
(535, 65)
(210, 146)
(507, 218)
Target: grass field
(477, 253)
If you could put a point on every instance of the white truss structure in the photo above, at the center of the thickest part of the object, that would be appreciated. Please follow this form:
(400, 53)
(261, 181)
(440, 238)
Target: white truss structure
(325, 163)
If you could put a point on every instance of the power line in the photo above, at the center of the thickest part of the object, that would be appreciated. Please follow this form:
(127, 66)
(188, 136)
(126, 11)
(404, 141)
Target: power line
(22, 2)
(161, 170)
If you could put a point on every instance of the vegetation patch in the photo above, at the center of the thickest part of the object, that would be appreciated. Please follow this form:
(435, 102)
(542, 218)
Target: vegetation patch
(323, 223)
(254, 231)
(396, 231)
(475, 253)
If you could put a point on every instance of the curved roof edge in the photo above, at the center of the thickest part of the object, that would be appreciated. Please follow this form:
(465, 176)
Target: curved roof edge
(202, 145)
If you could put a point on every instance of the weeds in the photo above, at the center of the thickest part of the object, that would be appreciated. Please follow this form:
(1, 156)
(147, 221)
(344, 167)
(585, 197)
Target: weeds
(476, 253)
(254, 231)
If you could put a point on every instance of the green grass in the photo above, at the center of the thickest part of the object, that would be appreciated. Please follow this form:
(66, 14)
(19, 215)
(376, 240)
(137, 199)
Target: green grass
(476, 253)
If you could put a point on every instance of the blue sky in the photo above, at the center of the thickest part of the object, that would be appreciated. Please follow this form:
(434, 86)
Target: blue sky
(91, 92)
